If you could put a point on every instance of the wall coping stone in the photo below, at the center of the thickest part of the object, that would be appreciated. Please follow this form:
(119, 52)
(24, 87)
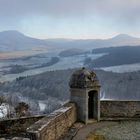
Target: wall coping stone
(44, 122)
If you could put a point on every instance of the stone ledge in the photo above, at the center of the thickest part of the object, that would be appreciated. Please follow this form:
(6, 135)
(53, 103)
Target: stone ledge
(119, 119)
(55, 124)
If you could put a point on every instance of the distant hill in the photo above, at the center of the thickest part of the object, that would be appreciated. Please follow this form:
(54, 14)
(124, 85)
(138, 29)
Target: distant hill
(14, 40)
(124, 39)
(119, 40)
(116, 56)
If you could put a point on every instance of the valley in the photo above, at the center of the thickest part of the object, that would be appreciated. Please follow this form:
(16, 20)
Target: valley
(39, 73)
(36, 64)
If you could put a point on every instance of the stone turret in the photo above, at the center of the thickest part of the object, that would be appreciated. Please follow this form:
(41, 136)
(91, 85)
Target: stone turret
(84, 88)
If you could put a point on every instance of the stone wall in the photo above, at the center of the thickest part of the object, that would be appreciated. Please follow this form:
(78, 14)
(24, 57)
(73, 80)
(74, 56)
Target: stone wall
(119, 109)
(80, 96)
(55, 124)
(17, 125)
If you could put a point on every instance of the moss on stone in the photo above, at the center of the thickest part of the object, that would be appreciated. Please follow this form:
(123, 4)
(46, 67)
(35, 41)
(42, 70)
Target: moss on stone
(93, 136)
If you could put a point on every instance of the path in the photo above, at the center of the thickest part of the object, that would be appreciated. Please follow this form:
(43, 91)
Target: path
(83, 132)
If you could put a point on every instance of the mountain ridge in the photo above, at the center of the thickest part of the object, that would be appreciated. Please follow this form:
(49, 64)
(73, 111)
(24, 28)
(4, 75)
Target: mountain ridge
(15, 32)
(13, 40)
(118, 40)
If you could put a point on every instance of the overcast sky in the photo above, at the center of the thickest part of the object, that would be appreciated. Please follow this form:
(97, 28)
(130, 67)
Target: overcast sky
(71, 18)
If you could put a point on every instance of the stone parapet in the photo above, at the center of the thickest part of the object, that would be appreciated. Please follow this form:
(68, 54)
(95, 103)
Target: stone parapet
(55, 124)
(119, 110)
(17, 125)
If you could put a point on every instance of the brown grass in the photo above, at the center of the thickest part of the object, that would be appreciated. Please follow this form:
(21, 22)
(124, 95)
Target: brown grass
(93, 136)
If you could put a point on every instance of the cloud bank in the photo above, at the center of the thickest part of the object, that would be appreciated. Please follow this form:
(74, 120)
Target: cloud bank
(59, 17)
(14, 10)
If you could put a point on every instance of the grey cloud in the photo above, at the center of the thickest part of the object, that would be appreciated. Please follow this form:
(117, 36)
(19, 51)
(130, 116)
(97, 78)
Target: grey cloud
(15, 10)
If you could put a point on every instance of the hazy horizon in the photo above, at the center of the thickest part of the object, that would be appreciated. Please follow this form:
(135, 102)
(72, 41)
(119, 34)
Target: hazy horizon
(107, 37)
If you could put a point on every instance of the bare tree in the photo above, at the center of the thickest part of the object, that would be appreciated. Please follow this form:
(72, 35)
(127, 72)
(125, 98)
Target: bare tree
(2, 99)
(22, 109)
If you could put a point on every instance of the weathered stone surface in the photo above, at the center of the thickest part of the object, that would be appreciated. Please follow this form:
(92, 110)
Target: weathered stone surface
(84, 88)
(17, 125)
(72, 131)
(55, 124)
(84, 78)
(120, 109)
(124, 130)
